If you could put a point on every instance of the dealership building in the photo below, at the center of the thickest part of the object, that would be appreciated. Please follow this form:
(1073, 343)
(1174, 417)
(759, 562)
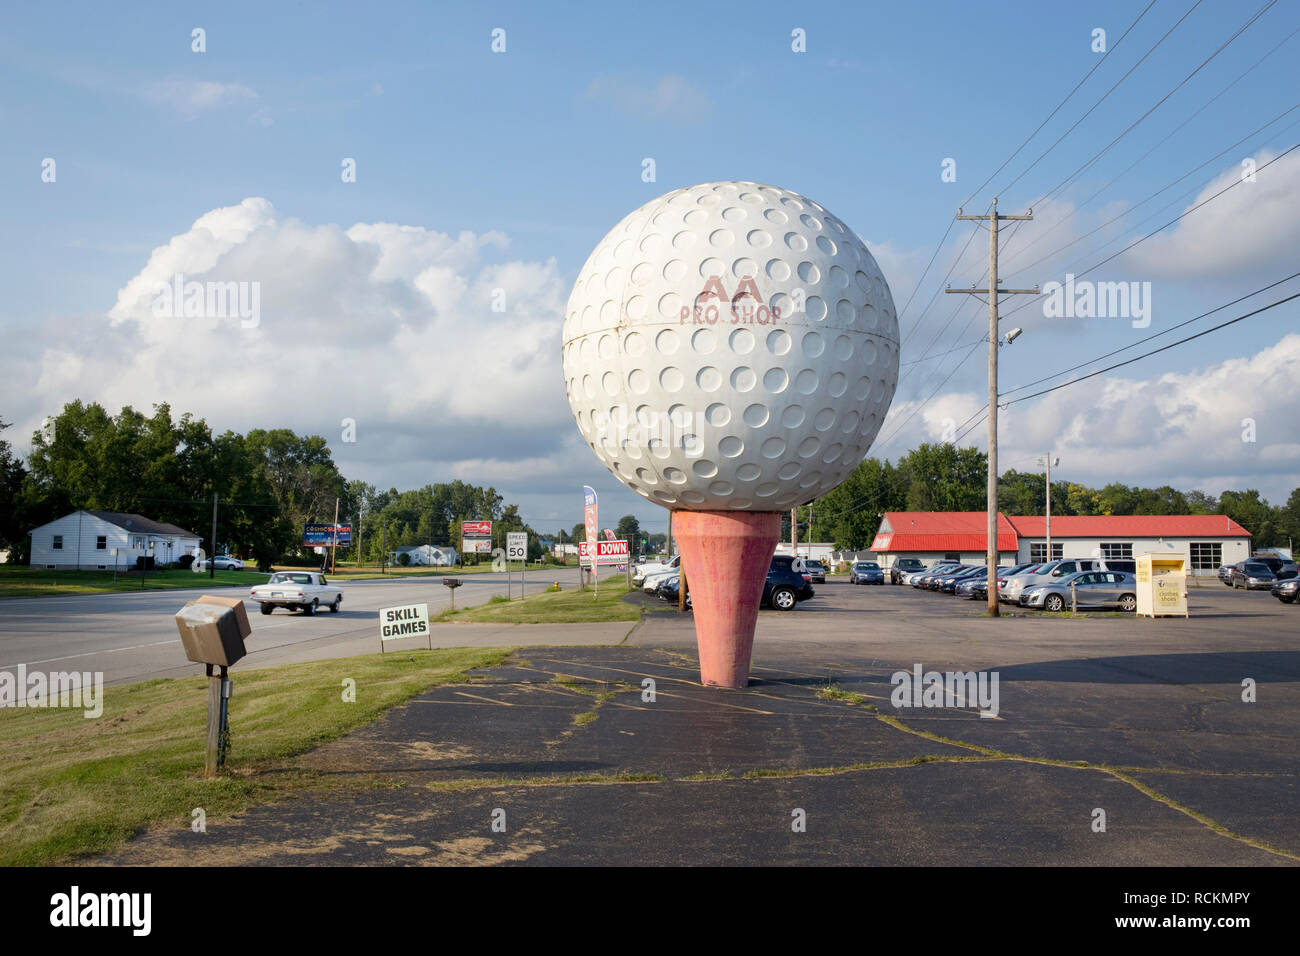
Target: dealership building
(1205, 541)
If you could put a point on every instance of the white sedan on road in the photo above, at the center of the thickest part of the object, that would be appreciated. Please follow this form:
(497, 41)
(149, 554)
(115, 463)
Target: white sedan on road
(304, 590)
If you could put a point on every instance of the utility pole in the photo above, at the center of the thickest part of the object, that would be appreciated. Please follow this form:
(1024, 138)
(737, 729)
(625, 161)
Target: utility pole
(1048, 459)
(794, 531)
(334, 546)
(212, 558)
(993, 292)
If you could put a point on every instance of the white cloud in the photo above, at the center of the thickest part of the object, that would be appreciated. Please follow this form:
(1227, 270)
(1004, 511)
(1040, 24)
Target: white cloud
(672, 97)
(1184, 429)
(190, 97)
(1251, 228)
(388, 324)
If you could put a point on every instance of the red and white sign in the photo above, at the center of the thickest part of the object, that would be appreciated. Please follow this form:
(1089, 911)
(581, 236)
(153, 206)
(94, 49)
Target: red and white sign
(611, 551)
(476, 529)
(882, 542)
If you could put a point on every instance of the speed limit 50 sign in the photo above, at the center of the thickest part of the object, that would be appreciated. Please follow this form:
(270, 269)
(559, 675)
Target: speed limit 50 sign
(517, 546)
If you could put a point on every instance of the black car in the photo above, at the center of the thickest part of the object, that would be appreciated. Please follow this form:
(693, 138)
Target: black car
(1253, 574)
(902, 567)
(1286, 590)
(785, 587)
(949, 584)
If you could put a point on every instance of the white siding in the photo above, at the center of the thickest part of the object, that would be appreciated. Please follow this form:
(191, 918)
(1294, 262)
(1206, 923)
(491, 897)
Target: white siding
(80, 532)
(1234, 549)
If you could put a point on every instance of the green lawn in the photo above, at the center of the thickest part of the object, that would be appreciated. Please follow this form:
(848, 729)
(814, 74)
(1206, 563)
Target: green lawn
(22, 581)
(72, 786)
(569, 606)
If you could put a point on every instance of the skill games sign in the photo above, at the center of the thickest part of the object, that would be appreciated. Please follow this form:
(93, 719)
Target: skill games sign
(476, 537)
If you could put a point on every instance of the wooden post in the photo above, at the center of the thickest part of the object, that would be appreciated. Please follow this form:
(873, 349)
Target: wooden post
(681, 587)
(211, 757)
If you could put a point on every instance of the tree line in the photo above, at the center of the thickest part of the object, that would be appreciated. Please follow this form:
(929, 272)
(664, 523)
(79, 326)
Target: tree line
(269, 483)
(942, 477)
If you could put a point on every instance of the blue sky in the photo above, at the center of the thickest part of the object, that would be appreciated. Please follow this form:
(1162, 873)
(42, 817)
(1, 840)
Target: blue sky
(540, 150)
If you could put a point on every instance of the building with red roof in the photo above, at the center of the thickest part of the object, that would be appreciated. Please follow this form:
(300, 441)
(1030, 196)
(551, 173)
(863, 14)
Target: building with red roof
(1206, 541)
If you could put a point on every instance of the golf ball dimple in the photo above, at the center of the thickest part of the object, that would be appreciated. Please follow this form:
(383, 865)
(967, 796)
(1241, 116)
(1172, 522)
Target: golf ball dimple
(730, 346)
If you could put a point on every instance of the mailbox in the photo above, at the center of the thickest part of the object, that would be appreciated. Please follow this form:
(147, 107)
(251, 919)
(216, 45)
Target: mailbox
(451, 582)
(213, 629)
(1161, 585)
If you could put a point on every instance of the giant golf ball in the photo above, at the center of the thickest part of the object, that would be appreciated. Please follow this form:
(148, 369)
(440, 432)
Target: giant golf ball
(730, 347)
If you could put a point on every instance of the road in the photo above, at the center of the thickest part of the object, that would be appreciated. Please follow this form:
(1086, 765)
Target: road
(131, 636)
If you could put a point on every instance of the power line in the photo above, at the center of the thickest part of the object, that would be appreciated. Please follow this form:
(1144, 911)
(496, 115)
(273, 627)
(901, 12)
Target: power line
(1259, 13)
(1163, 348)
(1096, 66)
(1148, 338)
(1206, 105)
(1102, 100)
(1153, 232)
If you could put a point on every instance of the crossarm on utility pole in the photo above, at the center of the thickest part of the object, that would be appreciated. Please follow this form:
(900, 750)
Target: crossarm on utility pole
(993, 291)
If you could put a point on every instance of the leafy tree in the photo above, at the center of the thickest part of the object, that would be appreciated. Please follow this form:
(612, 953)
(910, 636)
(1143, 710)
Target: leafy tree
(1254, 514)
(629, 529)
(13, 532)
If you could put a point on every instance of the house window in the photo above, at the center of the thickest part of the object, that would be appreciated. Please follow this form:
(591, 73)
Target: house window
(1206, 555)
(1116, 549)
(1038, 552)
(952, 556)
(138, 542)
(58, 542)
(101, 543)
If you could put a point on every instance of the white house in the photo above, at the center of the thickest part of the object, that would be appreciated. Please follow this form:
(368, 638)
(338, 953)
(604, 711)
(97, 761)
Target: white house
(102, 540)
(438, 556)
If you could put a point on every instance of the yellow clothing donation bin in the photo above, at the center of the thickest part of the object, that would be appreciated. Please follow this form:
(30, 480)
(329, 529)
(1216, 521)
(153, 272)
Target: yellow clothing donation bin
(1161, 585)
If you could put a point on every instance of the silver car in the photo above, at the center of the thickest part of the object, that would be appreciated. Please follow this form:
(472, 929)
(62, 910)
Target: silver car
(1107, 589)
(1019, 585)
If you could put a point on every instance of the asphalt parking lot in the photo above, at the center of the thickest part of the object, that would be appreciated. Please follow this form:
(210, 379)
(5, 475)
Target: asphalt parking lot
(1139, 723)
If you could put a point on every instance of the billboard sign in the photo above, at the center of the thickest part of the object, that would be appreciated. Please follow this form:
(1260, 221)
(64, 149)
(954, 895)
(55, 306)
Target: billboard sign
(322, 535)
(476, 537)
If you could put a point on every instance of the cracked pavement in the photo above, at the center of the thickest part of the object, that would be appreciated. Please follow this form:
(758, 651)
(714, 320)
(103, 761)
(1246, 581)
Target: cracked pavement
(1152, 731)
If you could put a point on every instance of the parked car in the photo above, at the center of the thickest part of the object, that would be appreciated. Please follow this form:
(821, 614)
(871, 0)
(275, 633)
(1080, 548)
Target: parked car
(1049, 573)
(922, 578)
(1091, 589)
(223, 562)
(903, 567)
(1225, 574)
(303, 590)
(974, 573)
(1005, 581)
(1253, 574)
(866, 572)
(1280, 567)
(816, 571)
(947, 583)
(1286, 590)
(787, 584)
(668, 589)
(643, 571)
